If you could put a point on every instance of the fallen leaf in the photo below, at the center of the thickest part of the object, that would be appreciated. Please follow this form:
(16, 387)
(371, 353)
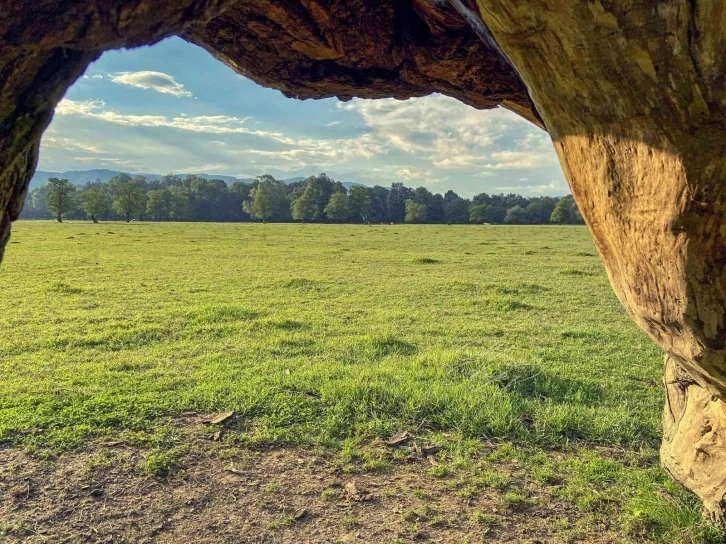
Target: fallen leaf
(430, 450)
(401, 437)
(303, 513)
(222, 418)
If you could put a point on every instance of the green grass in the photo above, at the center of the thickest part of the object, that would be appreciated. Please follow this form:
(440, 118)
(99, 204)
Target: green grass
(334, 335)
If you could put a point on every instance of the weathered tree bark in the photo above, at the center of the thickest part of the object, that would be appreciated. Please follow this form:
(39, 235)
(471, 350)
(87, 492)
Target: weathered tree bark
(632, 93)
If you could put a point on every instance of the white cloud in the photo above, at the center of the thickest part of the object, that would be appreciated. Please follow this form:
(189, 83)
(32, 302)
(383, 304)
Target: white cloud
(518, 160)
(449, 134)
(297, 153)
(548, 188)
(214, 124)
(156, 81)
(69, 144)
(97, 76)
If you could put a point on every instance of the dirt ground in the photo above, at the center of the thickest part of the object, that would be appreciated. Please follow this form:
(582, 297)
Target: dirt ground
(274, 496)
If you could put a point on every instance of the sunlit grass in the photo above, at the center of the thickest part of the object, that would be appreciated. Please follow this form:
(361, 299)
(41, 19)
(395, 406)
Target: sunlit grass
(331, 335)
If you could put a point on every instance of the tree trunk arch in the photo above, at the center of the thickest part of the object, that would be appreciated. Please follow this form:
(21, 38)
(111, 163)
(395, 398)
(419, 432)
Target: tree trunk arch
(632, 93)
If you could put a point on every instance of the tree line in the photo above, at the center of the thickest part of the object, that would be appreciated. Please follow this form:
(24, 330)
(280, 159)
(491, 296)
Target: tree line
(317, 199)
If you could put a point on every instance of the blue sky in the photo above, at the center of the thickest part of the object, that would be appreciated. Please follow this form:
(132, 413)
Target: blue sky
(174, 108)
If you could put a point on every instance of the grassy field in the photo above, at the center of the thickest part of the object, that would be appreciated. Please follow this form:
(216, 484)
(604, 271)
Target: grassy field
(334, 336)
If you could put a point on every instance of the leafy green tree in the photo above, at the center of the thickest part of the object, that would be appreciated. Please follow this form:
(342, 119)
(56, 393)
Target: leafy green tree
(379, 197)
(95, 202)
(415, 212)
(516, 215)
(561, 213)
(396, 202)
(359, 203)
(450, 196)
(237, 193)
(59, 199)
(319, 189)
(480, 214)
(180, 208)
(337, 208)
(457, 210)
(128, 195)
(304, 206)
(434, 204)
(35, 205)
(268, 200)
(208, 198)
(436, 210)
(158, 204)
(539, 210)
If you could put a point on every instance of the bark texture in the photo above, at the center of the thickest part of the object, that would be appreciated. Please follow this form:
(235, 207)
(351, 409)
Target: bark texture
(632, 93)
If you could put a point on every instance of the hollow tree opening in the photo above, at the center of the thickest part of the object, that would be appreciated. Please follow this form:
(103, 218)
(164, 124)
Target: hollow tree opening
(631, 93)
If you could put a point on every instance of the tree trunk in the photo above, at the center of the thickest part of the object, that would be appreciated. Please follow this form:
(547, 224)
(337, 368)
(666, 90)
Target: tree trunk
(93, 218)
(58, 217)
(634, 99)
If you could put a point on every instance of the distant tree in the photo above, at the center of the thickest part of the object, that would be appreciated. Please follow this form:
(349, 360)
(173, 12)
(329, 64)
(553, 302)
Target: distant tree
(450, 196)
(337, 208)
(303, 206)
(480, 214)
(59, 199)
(268, 200)
(436, 209)
(94, 201)
(539, 210)
(379, 198)
(180, 208)
(236, 195)
(561, 213)
(415, 212)
(158, 204)
(396, 202)
(516, 215)
(480, 199)
(320, 188)
(575, 215)
(359, 203)
(35, 205)
(457, 210)
(128, 195)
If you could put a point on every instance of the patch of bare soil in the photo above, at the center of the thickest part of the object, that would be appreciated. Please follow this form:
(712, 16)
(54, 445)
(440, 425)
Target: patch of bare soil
(281, 495)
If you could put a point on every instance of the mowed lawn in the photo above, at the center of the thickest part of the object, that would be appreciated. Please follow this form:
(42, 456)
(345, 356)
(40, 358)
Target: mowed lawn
(334, 336)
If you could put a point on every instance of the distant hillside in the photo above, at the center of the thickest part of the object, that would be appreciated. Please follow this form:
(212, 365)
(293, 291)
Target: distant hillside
(81, 177)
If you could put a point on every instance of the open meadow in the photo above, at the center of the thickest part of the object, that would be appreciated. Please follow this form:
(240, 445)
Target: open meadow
(502, 345)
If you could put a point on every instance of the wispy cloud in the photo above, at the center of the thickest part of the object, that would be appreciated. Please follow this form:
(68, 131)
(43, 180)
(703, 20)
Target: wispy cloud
(69, 144)
(553, 187)
(296, 152)
(518, 160)
(155, 81)
(213, 124)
